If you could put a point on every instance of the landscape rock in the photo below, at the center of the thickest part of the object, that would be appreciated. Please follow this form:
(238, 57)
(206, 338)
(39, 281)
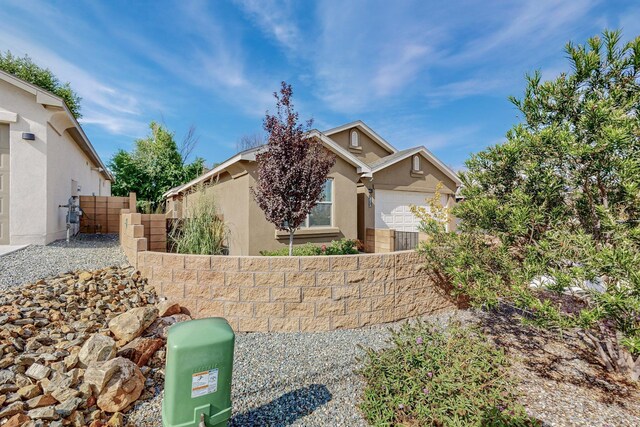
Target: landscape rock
(132, 324)
(64, 394)
(98, 374)
(7, 376)
(11, 409)
(47, 413)
(123, 388)
(168, 308)
(38, 371)
(40, 401)
(98, 348)
(18, 420)
(67, 407)
(29, 391)
(140, 350)
(85, 276)
(116, 420)
(58, 360)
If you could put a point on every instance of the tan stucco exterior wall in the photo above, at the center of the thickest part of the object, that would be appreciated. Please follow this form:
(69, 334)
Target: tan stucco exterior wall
(232, 199)
(344, 218)
(42, 170)
(399, 177)
(250, 232)
(370, 150)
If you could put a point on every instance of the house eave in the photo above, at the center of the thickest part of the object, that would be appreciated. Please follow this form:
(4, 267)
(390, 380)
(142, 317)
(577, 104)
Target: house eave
(54, 102)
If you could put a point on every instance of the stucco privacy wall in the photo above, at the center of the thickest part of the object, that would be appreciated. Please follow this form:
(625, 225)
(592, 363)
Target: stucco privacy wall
(289, 293)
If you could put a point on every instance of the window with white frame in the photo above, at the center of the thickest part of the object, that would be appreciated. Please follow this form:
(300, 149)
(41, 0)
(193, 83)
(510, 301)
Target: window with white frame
(320, 215)
(355, 141)
(416, 162)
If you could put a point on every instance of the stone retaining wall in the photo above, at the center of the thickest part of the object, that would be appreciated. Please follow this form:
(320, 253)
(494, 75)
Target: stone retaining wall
(276, 294)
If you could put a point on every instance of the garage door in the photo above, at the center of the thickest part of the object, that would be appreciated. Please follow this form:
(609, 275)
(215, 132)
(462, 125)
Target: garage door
(393, 209)
(4, 184)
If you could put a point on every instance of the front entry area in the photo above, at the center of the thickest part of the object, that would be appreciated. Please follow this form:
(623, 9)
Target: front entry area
(4, 184)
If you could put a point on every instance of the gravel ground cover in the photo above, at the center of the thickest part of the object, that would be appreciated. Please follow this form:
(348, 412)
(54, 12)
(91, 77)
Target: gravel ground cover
(561, 383)
(83, 252)
(297, 379)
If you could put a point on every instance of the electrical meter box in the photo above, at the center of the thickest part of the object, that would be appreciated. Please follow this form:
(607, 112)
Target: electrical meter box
(197, 388)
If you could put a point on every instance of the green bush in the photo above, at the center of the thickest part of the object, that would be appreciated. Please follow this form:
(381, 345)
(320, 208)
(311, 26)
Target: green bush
(308, 249)
(440, 377)
(550, 221)
(336, 247)
(340, 247)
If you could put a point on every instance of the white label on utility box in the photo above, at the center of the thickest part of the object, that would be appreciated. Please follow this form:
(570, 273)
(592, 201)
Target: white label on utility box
(203, 383)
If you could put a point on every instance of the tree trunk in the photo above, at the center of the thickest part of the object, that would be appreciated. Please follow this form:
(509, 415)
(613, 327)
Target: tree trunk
(291, 242)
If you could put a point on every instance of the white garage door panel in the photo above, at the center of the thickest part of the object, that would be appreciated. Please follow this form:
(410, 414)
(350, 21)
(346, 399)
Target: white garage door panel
(393, 209)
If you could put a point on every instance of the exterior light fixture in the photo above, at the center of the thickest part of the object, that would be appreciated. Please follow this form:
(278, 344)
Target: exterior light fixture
(28, 136)
(370, 200)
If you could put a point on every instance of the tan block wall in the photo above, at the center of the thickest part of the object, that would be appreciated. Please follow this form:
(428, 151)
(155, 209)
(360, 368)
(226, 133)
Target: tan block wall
(155, 231)
(136, 237)
(260, 294)
(380, 240)
(296, 293)
(101, 213)
(383, 240)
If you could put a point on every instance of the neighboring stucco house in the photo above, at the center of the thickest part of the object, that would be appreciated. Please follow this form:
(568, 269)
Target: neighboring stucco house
(45, 158)
(371, 186)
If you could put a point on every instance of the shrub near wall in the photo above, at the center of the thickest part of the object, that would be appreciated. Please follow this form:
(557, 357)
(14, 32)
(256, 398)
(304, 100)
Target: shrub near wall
(315, 293)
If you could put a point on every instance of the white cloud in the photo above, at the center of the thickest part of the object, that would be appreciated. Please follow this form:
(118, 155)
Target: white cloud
(276, 19)
(530, 24)
(98, 98)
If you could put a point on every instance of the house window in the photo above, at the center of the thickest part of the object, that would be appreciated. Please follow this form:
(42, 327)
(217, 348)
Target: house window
(320, 215)
(416, 163)
(355, 142)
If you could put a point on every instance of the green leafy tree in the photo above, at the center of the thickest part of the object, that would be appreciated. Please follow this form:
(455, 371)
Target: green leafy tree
(575, 160)
(556, 208)
(154, 166)
(27, 70)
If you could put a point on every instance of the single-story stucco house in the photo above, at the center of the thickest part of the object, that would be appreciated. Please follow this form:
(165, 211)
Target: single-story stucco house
(45, 158)
(371, 186)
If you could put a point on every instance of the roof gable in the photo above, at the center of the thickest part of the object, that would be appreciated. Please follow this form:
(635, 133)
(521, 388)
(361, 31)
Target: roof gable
(401, 155)
(360, 125)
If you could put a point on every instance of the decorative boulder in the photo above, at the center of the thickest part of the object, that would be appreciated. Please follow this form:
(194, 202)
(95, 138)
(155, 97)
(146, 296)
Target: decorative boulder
(131, 324)
(98, 348)
(168, 308)
(140, 350)
(124, 386)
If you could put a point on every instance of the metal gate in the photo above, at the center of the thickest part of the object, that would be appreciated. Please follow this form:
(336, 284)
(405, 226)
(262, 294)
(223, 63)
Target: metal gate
(406, 240)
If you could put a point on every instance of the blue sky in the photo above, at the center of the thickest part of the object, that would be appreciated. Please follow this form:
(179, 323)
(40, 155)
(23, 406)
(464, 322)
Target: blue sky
(432, 73)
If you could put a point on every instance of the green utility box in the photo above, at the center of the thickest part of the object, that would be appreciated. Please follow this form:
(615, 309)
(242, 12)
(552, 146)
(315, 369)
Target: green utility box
(198, 374)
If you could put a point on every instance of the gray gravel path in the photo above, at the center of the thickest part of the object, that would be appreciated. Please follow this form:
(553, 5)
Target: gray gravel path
(293, 379)
(84, 252)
